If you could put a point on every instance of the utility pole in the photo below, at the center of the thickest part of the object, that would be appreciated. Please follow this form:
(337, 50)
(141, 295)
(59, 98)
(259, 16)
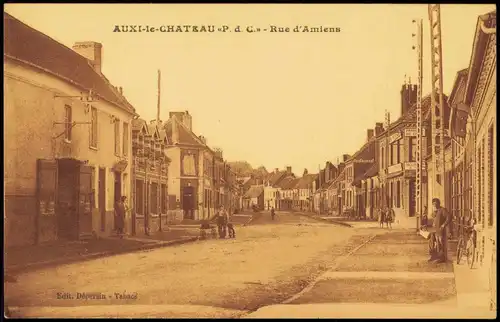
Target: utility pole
(437, 102)
(160, 169)
(420, 127)
(386, 163)
(159, 93)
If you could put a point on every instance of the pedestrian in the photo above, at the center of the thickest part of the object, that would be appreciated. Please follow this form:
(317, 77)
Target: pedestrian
(424, 220)
(390, 217)
(442, 220)
(221, 222)
(120, 211)
(381, 217)
(272, 213)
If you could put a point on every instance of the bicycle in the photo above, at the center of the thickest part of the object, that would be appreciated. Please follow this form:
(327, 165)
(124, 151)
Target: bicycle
(467, 246)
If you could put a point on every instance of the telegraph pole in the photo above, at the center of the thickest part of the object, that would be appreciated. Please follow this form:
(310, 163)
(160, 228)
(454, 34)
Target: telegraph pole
(437, 102)
(420, 128)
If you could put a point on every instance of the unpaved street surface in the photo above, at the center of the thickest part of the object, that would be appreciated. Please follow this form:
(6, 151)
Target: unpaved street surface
(264, 265)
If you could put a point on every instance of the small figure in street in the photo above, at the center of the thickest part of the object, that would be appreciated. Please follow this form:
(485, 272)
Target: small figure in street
(381, 217)
(442, 220)
(390, 217)
(424, 221)
(120, 211)
(230, 230)
(273, 214)
(221, 222)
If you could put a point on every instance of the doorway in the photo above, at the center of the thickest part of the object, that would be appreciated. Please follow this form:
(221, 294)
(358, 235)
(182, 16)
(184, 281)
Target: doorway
(412, 198)
(67, 215)
(118, 188)
(102, 197)
(188, 202)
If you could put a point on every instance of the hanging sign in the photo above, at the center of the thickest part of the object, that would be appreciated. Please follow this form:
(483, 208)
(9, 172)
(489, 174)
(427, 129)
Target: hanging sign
(394, 137)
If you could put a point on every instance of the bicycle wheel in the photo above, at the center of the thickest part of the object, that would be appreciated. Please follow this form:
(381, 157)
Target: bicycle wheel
(471, 253)
(460, 249)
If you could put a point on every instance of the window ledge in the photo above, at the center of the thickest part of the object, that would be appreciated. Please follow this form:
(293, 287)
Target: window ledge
(93, 148)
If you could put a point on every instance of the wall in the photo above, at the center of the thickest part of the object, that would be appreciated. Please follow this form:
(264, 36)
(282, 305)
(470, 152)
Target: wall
(29, 93)
(174, 171)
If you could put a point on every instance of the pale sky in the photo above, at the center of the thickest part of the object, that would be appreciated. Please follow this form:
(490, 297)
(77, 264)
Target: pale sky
(272, 99)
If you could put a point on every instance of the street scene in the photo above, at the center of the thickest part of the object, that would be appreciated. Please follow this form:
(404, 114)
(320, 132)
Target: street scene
(232, 162)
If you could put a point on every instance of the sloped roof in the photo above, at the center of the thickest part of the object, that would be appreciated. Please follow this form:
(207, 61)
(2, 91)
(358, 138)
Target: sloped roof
(276, 177)
(30, 46)
(290, 183)
(366, 152)
(254, 192)
(283, 184)
(306, 180)
(138, 124)
(186, 136)
(459, 110)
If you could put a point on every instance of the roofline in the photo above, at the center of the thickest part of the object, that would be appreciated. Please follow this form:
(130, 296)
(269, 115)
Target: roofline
(72, 82)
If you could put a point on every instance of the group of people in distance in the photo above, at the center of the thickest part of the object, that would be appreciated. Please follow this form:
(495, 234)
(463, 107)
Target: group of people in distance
(224, 226)
(387, 216)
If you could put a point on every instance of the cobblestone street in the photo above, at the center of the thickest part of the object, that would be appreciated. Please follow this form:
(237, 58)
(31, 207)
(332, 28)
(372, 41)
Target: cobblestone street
(245, 273)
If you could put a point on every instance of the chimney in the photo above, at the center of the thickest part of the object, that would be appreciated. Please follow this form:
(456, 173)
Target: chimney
(345, 157)
(289, 170)
(276, 170)
(369, 134)
(408, 97)
(203, 139)
(175, 131)
(183, 117)
(379, 128)
(92, 51)
(305, 172)
(121, 90)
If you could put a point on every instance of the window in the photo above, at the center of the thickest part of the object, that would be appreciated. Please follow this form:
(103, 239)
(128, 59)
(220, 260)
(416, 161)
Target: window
(398, 194)
(92, 185)
(413, 149)
(125, 139)
(398, 150)
(154, 198)
(93, 127)
(382, 156)
(68, 122)
(117, 137)
(491, 134)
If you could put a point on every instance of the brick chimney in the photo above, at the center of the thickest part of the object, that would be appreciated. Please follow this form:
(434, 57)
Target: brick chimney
(289, 170)
(408, 97)
(183, 117)
(276, 170)
(345, 157)
(175, 131)
(305, 172)
(379, 128)
(92, 51)
(369, 134)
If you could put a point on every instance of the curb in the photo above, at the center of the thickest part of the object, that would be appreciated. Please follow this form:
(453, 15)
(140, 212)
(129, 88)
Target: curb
(75, 259)
(334, 222)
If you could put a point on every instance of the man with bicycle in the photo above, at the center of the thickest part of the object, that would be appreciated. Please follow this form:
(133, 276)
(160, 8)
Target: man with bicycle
(440, 236)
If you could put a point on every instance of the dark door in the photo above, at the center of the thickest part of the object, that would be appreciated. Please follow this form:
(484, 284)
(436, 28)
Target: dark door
(412, 198)
(102, 198)
(46, 219)
(118, 188)
(67, 199)
(84, 199)
(188, 202)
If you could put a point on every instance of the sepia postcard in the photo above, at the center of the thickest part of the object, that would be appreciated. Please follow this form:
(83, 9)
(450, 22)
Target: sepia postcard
(250, 161)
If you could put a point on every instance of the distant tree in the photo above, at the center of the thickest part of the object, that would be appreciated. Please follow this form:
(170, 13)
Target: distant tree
(241, 168)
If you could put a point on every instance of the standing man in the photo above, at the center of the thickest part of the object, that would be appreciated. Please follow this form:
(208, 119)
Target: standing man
(120, 211)
(272, 214)
(441, 223)
(221, 222)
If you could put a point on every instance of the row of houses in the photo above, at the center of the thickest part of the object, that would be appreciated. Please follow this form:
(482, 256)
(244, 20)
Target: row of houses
(383, 171)
(74, 145)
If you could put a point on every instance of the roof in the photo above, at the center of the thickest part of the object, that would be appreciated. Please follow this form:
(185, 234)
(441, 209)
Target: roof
(459, 110)
(283, 184)
(478, 52)
(24, 44)
(186, 136)
(306, 180)
(276, 177)
(254, 192)
(366, 152)
(290, 183)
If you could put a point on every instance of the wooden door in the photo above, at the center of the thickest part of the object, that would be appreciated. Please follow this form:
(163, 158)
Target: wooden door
(102, 198)
(84, 198)
(46, 219)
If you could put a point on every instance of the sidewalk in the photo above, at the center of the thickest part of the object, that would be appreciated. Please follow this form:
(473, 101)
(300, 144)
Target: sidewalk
(24, 258)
